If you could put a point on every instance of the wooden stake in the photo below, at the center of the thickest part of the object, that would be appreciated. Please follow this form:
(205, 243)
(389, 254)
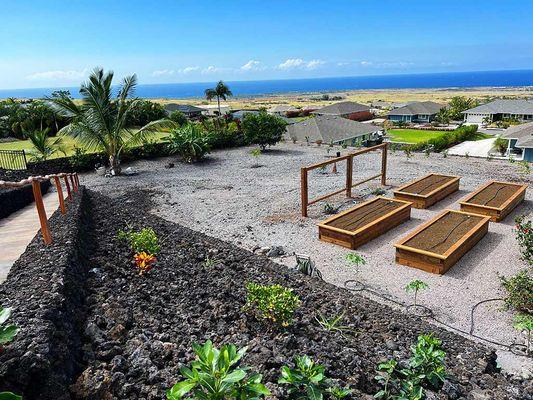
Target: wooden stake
(349, 170)
(60, 195)
(304, 191)
(41, 211)
(69, 194)
(74, 186)
(384, 164)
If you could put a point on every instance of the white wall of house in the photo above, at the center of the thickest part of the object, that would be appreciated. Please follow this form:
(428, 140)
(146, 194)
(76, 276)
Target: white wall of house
(212, 110)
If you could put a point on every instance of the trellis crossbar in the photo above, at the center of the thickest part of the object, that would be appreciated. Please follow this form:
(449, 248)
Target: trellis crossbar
(306, 202)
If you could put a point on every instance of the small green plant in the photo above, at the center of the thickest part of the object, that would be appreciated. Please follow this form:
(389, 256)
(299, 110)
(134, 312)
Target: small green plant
(209, 262)
(519, 291)
(408, 152)
(524, 237)
(307, 140)
(256, 153)
(333, 324)
(511, 159)
(524, 322)
(330, 209)
(190, 142)
(501, 145)
(143, 241)
(215, 375)
(272, 303)
(344, 145)
(414, 286)
(524, 169)
(80, 159)
(322, 169)
(306, 266)
(467, 154)
(355, 259)
(307, 380)
(9, 396)
(378, 191)
(445, 154)
(7, 332)
(425, 368)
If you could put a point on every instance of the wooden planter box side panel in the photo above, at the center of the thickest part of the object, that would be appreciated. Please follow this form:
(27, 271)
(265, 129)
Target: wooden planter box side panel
(427, 200)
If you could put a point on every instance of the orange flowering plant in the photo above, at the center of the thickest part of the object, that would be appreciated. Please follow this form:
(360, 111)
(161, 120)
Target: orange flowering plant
(144, 261)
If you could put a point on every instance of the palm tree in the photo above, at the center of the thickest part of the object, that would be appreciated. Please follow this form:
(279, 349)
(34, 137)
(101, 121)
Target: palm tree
(43, 145)
(220, 91)
(100, 120)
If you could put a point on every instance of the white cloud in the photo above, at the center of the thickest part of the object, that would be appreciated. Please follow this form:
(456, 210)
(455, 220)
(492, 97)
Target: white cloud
(163, 72)
(366, 63)
(313, 64)
(188, 70)
(342, 64)
(210, 70)
(69, 75)
(252, 65)
(298, 63)
(386, 64)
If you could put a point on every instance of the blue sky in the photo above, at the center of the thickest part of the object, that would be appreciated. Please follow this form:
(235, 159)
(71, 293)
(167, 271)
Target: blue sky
(50, 43)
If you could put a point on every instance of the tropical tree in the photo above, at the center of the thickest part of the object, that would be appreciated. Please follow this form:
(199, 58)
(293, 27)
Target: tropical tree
(458, 104)
(101, 121)
(443, 116)
(263, 129)
(220, 91)
(43, 145)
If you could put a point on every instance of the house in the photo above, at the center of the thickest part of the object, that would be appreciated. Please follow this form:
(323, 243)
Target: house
(346, 109)
(332, 129)
(211, 110)
(520, 141)
(281, 110)
(416, 112)
(497, 110)
(187, 109)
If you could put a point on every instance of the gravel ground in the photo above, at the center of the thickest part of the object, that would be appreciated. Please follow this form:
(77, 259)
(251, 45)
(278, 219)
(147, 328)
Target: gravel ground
(254, 207)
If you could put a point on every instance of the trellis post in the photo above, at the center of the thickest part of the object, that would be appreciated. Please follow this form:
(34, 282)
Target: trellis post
(36, 186)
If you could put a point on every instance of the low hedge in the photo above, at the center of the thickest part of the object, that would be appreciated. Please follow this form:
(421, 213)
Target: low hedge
(448, 139)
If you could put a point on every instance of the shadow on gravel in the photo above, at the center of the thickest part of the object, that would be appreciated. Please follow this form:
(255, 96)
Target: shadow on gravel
(279, 152)
(451, 201)
(526, 207)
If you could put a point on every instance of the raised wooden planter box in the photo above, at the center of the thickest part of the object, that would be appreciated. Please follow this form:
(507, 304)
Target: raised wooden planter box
(364, 222)
(426, 191)
(438, 244)
(495, 199)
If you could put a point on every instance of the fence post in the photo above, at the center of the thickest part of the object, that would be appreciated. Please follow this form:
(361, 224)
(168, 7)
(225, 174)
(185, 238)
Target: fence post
(36, 185)
(67, 184)
(74, 187)
(60, 195)
(304, 191)
(25, 160)
(349, 171)
(384, 164)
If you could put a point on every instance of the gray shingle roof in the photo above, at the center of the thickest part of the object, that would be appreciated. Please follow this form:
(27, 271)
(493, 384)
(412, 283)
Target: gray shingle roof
(329, 128)
(503, 107)
(184, 108)
(523, 132)
(342, 108)
(282, 108)
(417, 108)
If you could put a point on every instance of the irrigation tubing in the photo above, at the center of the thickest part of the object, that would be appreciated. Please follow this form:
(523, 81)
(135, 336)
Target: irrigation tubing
(432, 317)
(431, 184)
(493, 197)
(449, 234)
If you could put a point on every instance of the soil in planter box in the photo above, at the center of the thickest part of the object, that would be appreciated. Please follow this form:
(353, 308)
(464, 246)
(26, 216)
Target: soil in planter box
(494, 195)
(427, 185)
(445, 232)
(365, 215)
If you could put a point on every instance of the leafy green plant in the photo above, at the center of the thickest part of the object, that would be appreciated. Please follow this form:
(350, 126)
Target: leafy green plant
(501, 145)
(307, 380)
(216, 375)
(519, 291)
(43, 146)
(272, 303)
(190, 142)
(355, 259)
(209, 262)
(524, 322)
(378, 191)
(7, 332)
(333, 324)
(445, 154)
(9, 396)
(415, 286)
(263, 129)
(408, 152)
(144, 240)
(256, 153)
(524, 237)
(80, 159)
(425, 368)
(524, 169)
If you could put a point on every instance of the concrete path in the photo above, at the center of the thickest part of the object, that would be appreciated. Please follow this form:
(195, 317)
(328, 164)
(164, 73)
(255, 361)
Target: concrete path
(478, 148)
(17, 231)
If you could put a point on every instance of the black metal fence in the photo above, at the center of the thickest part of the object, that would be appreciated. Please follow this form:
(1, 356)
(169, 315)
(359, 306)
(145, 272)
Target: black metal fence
(13, 159)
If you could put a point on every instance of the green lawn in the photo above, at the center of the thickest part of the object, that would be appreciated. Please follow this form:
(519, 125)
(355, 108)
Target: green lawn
(417, 136)
(411, 135)
(68, 141)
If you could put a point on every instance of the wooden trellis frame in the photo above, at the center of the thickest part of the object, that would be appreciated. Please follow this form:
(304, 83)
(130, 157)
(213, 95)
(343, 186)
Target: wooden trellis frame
(349, 171)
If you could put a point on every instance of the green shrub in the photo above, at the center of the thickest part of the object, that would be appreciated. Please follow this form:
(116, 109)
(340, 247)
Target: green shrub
(9, 396)
(307, 380)
(519, 291)
(80, 160)
(272, 303)
(263, 129)
(189, 141)
(7, 332)
(145, 240)
(524, 237)
(501, 145)
(524, 322)
(355, 259)
(215, 375)
(178, 117)
(424, 369)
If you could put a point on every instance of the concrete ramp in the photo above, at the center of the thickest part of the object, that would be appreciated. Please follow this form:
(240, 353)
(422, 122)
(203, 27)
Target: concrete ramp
(17, 231)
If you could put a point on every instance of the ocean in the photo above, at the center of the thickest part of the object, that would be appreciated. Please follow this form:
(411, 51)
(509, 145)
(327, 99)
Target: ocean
(324, 85)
